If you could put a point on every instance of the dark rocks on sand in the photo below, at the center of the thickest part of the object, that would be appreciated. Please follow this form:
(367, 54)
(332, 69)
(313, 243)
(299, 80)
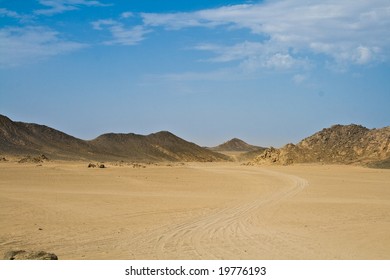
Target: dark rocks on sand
(29, 255)
(99, 165)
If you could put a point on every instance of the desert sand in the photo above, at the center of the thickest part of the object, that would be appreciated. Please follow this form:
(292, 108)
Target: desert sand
(195, 211)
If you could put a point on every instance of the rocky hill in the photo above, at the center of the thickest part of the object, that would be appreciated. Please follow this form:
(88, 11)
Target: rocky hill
(236, 145)
(344, 144)
(154, 147)
(19, 138)
(238, 150)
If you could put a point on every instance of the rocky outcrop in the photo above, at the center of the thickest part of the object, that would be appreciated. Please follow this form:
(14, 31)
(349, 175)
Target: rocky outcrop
(345, 144)
(30, 159)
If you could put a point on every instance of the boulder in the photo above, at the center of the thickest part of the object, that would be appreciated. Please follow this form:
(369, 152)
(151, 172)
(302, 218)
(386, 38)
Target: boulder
(29, 255)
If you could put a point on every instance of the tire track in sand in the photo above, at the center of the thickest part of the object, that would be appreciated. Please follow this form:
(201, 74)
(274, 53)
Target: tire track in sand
(225, 232)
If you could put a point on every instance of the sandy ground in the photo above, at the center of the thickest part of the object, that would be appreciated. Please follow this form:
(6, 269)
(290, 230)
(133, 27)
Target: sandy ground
(195, 211)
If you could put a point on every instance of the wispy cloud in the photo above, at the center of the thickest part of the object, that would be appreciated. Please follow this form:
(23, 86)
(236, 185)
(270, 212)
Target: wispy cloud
(175, 21)
(12, 14)
(275, 61)
(127, 14)
(347, 32)
(23, 45)
(60, 6)
(8, 13)
(231, 53)
(255, 55)
(121, 35)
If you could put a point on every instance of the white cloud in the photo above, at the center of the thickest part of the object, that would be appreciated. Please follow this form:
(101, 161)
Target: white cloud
(7, 13)
(121, 34)
(99, 24)
(254, 56)
(364, 55)
(175, 21)
(23, 45)
(280, 61)
(348, 32)
(60, 6)
(12, 14)
(274, 61)
(127, 15)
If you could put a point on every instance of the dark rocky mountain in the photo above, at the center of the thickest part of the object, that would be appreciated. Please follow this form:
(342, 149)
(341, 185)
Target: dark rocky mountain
(344, 144)
(19, 138)
(154, 147)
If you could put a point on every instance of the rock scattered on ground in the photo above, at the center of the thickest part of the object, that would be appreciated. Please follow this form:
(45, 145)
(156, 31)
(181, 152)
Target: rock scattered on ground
(133, 164)
(29, 255)
(97, 165)
(30, 159)
(137, 165)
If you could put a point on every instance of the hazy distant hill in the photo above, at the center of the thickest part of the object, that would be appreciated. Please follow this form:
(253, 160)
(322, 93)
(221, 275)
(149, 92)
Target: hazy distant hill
(18, 138)
(344, 144)
(238, 150)
(236, 145)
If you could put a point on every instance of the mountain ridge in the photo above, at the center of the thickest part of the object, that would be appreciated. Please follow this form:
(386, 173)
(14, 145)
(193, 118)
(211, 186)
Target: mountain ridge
(338, 144)
(19, 138)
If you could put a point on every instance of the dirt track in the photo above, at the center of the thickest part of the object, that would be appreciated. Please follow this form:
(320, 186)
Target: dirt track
(202, 237)
(196, 211)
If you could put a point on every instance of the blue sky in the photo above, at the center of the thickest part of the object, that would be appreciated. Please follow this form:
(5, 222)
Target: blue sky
(268, 72)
